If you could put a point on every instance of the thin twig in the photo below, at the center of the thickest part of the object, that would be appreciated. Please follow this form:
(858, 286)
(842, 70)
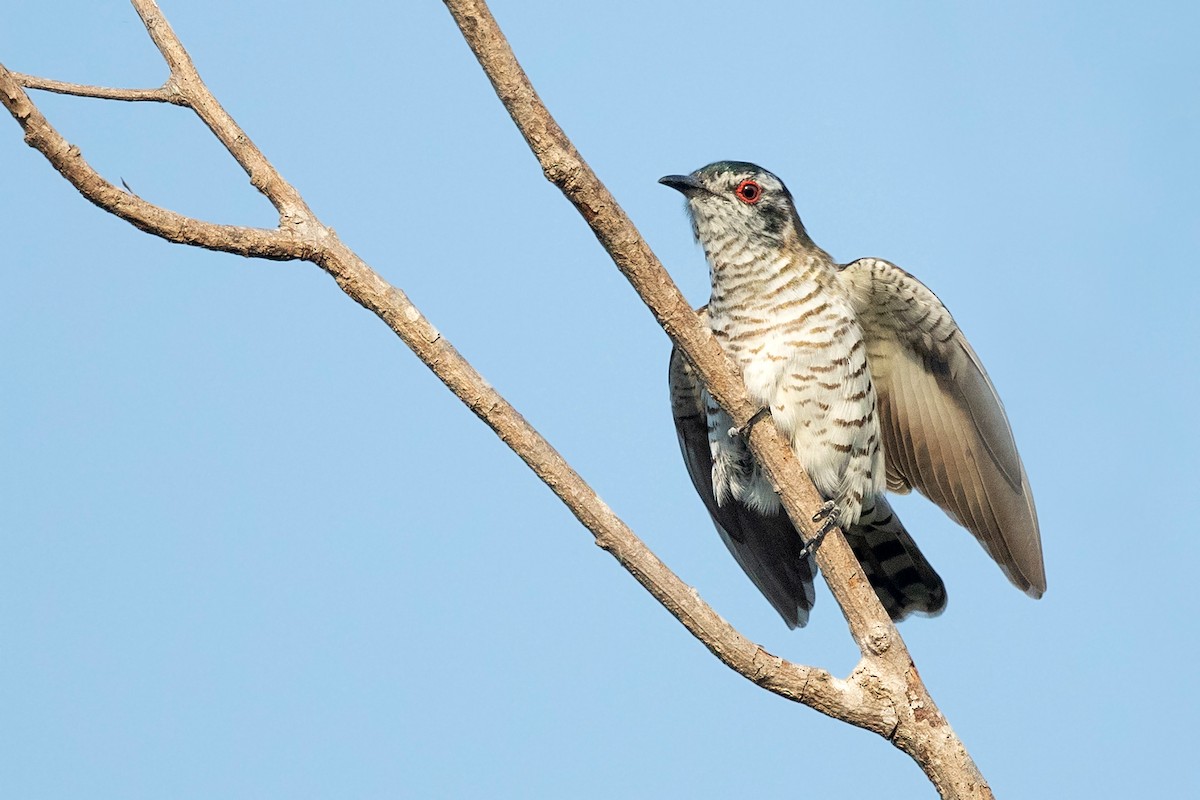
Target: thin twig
(162, 94)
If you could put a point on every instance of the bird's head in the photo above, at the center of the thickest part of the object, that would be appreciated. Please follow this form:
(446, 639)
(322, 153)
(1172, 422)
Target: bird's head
(738, 199)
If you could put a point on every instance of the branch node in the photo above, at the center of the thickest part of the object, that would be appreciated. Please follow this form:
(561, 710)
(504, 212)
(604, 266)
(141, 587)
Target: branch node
(878, 638)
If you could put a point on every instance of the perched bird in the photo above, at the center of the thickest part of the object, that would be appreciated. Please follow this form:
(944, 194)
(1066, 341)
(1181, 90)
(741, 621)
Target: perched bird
(865, 372)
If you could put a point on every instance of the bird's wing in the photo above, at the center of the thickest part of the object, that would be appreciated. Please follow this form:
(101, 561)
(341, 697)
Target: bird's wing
(766, 546)
(943, 426)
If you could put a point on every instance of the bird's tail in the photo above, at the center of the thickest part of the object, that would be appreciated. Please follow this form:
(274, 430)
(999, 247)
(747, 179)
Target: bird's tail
(903, 580)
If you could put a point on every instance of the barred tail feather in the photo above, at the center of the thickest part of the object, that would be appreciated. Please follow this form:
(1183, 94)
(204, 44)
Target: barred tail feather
(903, 580)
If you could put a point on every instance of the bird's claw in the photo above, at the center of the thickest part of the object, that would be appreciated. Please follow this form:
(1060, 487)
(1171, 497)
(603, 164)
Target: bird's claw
(829, 512)
(827, 515)
(758, 416)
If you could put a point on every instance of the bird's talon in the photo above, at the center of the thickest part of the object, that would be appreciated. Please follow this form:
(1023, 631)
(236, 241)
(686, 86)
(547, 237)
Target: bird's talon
(827, 510)
(739, 430)
(828, 517)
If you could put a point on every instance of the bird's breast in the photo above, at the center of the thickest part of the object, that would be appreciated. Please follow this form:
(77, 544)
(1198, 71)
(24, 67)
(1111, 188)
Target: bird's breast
(805, 359)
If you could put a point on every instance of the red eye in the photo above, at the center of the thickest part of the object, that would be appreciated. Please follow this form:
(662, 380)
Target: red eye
(749, 192)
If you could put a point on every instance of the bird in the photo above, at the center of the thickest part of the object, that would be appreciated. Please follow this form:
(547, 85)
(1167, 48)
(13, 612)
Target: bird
(869, 378)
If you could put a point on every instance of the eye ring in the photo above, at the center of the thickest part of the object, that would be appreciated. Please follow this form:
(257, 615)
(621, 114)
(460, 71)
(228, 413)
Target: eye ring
(749, 192)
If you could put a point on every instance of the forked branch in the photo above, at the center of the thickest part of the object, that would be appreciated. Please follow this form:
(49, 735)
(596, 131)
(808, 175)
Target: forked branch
(883, 694)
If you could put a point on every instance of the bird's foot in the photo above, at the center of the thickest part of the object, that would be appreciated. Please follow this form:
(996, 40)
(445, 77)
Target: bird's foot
(828, 517)
(744, 430)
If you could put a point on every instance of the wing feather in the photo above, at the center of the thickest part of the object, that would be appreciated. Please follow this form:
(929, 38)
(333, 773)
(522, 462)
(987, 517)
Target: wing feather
(943, 426)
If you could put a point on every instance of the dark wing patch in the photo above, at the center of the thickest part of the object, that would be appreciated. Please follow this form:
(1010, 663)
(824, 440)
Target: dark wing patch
(903, 579)
(767, 547)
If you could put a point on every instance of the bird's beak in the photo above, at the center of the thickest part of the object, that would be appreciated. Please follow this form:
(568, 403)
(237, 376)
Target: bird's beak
(683, 183)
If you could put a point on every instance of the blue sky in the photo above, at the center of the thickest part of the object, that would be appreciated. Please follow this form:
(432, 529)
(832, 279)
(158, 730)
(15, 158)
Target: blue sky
(252, 548)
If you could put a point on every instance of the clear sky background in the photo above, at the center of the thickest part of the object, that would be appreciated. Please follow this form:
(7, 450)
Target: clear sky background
(250, 547)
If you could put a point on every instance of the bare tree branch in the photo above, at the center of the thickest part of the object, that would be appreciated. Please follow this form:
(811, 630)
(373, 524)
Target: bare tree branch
(922, 731)
(883, 694)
